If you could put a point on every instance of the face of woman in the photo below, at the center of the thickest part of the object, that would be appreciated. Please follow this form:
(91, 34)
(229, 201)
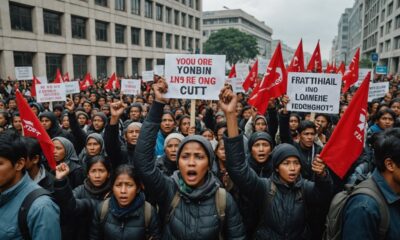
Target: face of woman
(184, 126)
(124, 189)
(98, 123)
(16, 122)
(289, 170)
(261, 150)
(132, 134)
(293, 123)
(208, 135)
(167, 123)
(87, 107)
(193, 164)
(386, 121)
(98, 174)
(59, 151)
(82, 120)
(260, 125)
(396, 108)
(93, 147)
(220, 151)
(65, 122)
(171, 148)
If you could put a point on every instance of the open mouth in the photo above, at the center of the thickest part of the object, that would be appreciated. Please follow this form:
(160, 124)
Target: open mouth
(292, 176)
(191, 175)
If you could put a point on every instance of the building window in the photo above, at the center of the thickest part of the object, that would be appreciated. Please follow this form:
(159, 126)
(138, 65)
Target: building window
(101, 2)
(191, 3)
(390, 8)
(176, 41)
(148, 9)
(159, 39)
(101, 31)
(78, 25)
(190, 22)
(396, 43)
(160, 61)
(21, 17)
(183, 2)
(53, 61)
(22, 59)
(120, 66)
(397, 24)
(120, 5)
(197, 45)
(176, 17)
(197, 24)
(149, 64)
(191, 44)
(168, 40)
(183, 43)
(388, 27)
(168, 15)
(80, 66)
(52, 22)
(135, 32)
(101, 65)
(135, 7)
(135, 67)
(183, 19)
(159, 12)
(119, 33)
(148, 38)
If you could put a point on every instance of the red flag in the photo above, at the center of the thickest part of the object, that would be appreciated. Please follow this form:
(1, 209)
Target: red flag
(112, 83)
(315, 63)
(297, 63)
(251, 78)
(232, 73)
(33, 87)
(347, 140)
(328, 68)
(66, 77)
(341, 68)
(58, 78)
(333, 67)
(86, 82)
(351, 75)
(273, 84)
(32, 128)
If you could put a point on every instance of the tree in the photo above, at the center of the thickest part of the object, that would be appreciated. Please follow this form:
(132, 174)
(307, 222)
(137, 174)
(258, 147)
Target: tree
(236, 45)
(365, 63)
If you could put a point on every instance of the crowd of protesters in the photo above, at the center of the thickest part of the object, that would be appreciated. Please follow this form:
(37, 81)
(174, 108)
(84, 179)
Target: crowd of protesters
(133, 167)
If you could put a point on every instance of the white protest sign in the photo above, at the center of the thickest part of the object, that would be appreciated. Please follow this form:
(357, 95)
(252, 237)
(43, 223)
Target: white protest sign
(52, 92)
(130, 86)
(314, 92)
(237, 84)
(71, 87)
(23, 73)
(362, 73)
(148, 76)
(159, 70)
(377, 90)
(194, 76)
(43, 79)
(262, 65)
(242, 70)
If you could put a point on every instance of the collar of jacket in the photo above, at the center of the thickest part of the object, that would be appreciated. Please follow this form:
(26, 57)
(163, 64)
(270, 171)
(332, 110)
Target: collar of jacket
(98, 191)
(391, 197)
(284, 186)
(10, 193)
(203, 192)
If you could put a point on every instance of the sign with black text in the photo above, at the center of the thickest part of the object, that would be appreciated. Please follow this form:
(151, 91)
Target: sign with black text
(377, 90)
(130, 86)
(71, 87)
(52, 92)
(23, 73)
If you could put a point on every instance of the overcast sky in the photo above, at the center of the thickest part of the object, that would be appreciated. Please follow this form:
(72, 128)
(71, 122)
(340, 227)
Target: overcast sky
(291, 20)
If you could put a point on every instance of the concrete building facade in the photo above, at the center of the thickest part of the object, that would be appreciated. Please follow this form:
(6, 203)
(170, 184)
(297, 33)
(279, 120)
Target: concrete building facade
(342, 41)
(287, 52)
(355, 28)
(96, 36)
(237, 18)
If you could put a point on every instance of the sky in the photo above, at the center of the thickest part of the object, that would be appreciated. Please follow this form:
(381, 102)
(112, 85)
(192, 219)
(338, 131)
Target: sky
(291, 20)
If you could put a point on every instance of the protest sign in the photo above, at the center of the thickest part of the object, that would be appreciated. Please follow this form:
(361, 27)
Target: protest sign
(194, 76)
(71, 87)
(262, 65)
(23, 73)
(377, 90)
(130, 86)
(362, 72)
(314, 92)
(242, 70)
(148, 76)
(159, 70)
(237, 84)
(52, 92)
(43, 79)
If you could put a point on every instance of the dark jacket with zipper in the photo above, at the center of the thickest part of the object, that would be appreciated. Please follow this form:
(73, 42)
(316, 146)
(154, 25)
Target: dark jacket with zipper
(116, 153)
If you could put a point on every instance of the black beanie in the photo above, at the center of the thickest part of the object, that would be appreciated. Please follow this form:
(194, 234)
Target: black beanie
(260, 136)
(283, 151)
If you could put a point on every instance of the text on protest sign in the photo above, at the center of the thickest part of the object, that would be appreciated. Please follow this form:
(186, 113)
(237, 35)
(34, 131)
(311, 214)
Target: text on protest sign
(194, 76)
(23, 73)
(148, 76)
(314, 92)
(237, 84)
(52, 92)
(377, 90)
(71, 87)
(130, 86)
(159, 70)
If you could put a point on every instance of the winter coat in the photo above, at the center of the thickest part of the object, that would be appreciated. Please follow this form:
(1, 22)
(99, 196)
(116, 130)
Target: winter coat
(166, 166)
(285, 216)
(55, 129)
(195, 216)
(116, 153)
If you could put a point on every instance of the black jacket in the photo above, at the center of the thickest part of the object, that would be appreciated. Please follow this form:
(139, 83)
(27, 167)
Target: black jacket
(196, 216)
(166, 166)
(116, 153)
(285, 216)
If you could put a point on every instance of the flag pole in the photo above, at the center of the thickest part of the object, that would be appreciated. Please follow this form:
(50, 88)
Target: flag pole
(192, 112)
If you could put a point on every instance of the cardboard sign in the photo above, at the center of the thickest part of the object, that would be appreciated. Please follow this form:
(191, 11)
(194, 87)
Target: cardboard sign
(361, 75)
(237, 84)
(262, 65)
(314, 92)
(71, 87)
(52, 92)
(130, 86)
(377, 90)
(159, 70)
(148, 76)
(23, 73)
(194, 76)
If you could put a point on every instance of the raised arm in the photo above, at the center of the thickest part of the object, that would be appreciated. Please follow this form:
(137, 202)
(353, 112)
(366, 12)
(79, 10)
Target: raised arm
(284, 123)
(77, 132)
(111, 134)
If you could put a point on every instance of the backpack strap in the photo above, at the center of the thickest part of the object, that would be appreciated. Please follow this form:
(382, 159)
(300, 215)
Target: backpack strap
(174, 204)
(220, 202)
(104, 209)
(370, 188)
(147, 214)
(24, 210)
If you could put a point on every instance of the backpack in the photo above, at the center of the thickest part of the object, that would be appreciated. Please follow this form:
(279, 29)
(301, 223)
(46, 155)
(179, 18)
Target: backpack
(24, 210)
(106, 205)
(220, 203)
(334, 218)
